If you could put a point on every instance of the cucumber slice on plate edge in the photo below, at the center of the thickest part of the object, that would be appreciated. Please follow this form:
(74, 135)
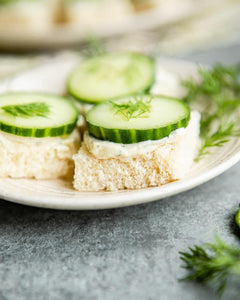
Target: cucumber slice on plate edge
(237, 217)
(130, 136)
(26, 131)
(90, 100)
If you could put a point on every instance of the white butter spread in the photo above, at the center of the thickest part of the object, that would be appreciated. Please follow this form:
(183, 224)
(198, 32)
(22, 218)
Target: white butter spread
(105, 149)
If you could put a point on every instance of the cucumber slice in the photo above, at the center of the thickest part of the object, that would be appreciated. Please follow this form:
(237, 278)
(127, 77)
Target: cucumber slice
(135, 119)
(110, 76)
(237, 218)
(37, 115)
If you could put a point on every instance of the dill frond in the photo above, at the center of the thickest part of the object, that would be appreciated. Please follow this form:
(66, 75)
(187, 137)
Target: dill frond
(218, 93)
(34, 109)
(138, 107)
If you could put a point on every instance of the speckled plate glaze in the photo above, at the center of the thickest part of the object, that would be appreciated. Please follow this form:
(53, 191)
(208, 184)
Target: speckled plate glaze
(59, 194)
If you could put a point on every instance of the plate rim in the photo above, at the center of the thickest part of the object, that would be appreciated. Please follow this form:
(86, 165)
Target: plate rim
(176, 188)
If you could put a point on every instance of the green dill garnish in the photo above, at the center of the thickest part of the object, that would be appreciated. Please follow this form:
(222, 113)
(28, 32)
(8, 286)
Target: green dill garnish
(217, 92)
(218, 138)
(214, 262)
(218, 81)
(33, 109)
(138, 107)
(93, 46)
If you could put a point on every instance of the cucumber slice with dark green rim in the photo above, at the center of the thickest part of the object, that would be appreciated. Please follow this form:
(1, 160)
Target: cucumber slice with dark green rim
(37, 115)
(237, 218)
(153, 119)
(111, 76)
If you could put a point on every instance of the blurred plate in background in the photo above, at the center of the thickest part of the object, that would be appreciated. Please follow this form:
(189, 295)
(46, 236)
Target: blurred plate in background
(45, 24)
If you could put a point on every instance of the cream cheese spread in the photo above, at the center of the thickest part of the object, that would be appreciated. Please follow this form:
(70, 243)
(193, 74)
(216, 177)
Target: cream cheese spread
(106, 149)
(11, 141)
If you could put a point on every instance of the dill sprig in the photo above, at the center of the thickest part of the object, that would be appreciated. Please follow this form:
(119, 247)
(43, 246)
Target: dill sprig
(34, 109)
(138, 107)
(214, 262)
(218, 81)
(217, 92)
(218, 138)
(93, 46)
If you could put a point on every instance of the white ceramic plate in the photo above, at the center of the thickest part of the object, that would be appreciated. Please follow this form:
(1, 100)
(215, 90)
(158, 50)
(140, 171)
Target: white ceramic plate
(60, 194)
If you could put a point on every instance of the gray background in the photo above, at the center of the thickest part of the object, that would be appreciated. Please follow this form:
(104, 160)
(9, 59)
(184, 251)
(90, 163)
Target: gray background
(127, 253)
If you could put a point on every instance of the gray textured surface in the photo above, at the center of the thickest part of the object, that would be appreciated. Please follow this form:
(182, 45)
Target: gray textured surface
(128, 253)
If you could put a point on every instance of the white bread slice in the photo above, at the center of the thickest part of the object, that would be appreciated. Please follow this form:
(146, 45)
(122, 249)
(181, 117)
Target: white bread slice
(40, 158)
(28, 15)
(167, 161)
(89, 14)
